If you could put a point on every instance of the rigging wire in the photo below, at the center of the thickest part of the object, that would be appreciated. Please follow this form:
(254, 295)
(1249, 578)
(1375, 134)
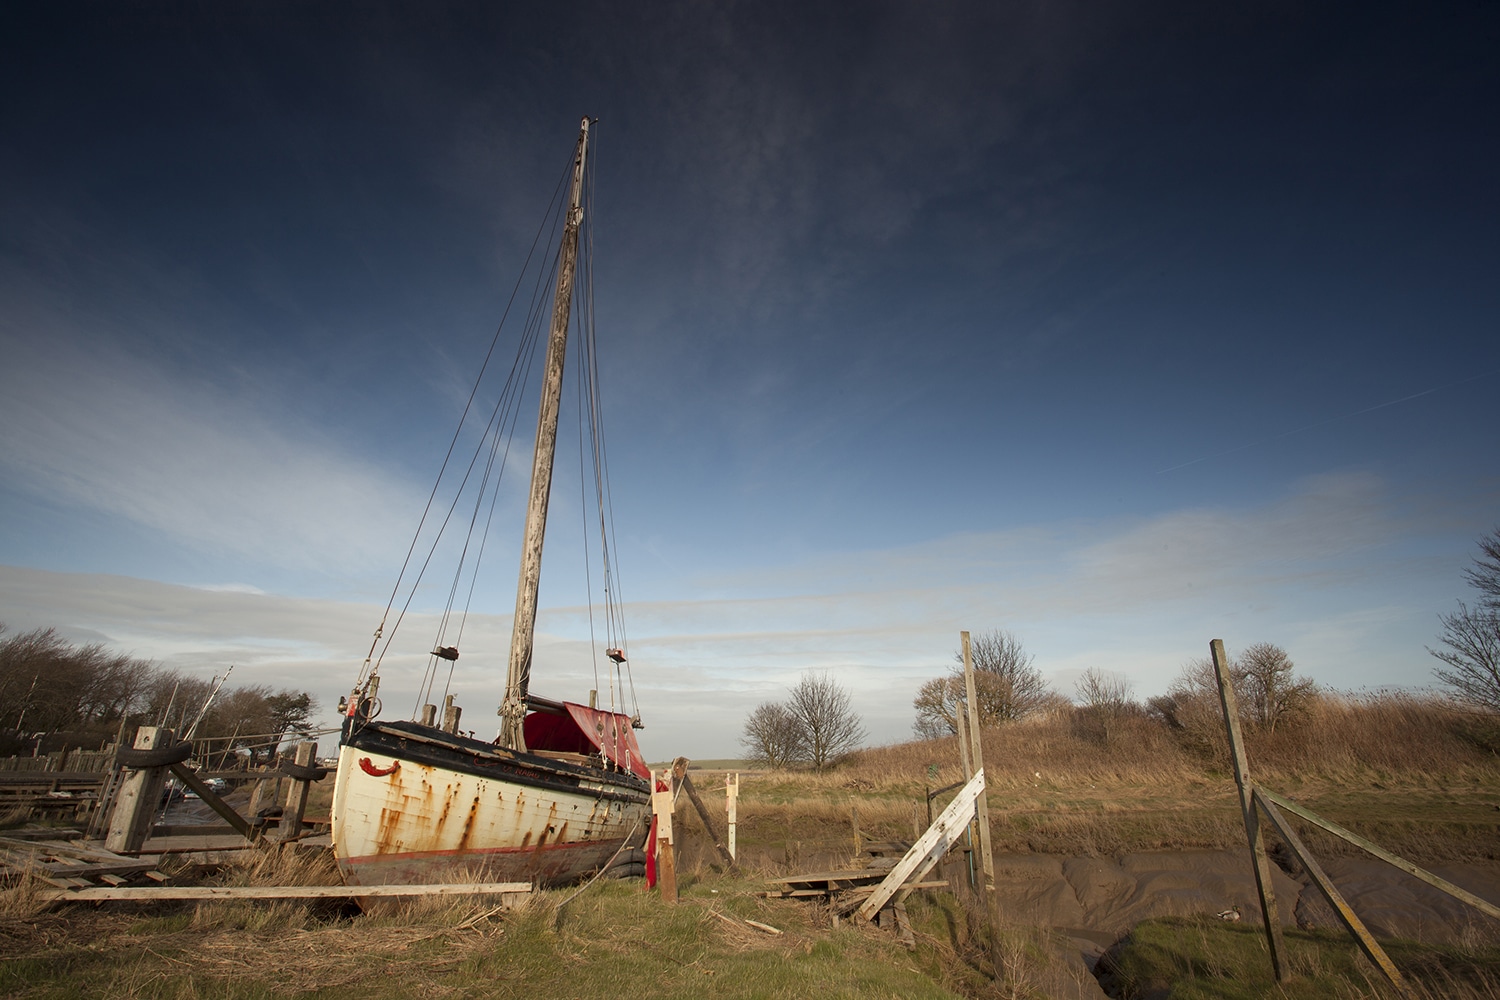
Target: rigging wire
(366, 670)
(501, 424)
(458, 494)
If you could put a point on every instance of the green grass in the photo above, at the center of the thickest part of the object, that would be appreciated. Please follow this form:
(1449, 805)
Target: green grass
(613, 940)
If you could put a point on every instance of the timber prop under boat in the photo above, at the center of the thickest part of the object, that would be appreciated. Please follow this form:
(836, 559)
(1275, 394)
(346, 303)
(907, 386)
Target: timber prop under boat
(563, 786)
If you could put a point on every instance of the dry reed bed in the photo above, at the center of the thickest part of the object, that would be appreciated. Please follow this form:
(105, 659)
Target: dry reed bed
(1417, 774)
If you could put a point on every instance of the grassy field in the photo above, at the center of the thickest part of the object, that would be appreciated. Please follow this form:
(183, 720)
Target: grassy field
(1419, 781)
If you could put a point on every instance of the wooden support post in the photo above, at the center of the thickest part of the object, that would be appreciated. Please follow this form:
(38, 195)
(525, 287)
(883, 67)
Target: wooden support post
(666, 861)
(296, 796)
(212, 800)
(731, 805)
(929, 848)
(1341, 908)
(139, 796)
(680, 775)
(981, 812)
(1262, 864)
(258, 796)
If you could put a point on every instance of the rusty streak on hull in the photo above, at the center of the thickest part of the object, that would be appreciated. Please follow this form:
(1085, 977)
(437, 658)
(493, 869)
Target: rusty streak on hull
(514, 821)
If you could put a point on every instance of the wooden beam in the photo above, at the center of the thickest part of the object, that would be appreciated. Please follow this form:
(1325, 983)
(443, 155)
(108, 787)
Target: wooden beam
(1262, 864)
(1341, 908)
(139, 796)
(931, 846)
(1440, 884)
(731, 806)
(666, 858)
(708, 824)
(982, 811)
(290, 827)
(285, 891)
(211, 799)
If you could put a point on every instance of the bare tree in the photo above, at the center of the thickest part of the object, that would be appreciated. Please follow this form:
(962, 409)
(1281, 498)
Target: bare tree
(824, 712)
(1006, 685)
(1471, 649)
(1470, 640)
(1005, 682)
(1485, 576)
(938, 703)
(1273, 692)
(772, 735)
(1105, 700)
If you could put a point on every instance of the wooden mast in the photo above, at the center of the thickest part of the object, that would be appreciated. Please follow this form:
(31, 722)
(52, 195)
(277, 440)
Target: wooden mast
(518, 675)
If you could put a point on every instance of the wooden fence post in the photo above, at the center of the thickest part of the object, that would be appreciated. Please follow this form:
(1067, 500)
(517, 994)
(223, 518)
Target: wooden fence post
(290, 827)
(666, 861)
(139, 796)
(731, 804)
(981, 812)
(1262, 864)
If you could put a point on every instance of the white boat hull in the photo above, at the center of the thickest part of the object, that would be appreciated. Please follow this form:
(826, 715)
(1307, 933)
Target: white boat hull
(399, 821)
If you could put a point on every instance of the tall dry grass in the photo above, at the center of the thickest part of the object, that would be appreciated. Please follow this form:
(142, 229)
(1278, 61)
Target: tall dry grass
(1410, 771)
(1339, 735)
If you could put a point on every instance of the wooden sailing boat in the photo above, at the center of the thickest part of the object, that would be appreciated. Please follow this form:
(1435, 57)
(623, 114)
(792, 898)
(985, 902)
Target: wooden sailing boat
(562, 787)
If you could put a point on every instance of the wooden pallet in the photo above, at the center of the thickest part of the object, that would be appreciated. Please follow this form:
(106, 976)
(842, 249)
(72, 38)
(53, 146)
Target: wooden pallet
(75, 864)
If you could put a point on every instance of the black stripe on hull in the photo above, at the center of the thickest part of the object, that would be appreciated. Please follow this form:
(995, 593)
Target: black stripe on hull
(435, 748)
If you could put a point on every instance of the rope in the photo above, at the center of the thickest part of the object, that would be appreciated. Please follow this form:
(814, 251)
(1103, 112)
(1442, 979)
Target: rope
(557, 920)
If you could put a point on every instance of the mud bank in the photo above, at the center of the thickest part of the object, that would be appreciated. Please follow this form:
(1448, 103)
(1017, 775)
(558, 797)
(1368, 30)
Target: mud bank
(1094, 902)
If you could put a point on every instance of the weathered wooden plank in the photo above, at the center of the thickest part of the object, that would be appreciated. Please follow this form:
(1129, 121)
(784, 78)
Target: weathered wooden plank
(1341, 908)
(290, 827)
(852, 874)
(1261, 864)
(287, 891)
(929, 847)
(138, 796)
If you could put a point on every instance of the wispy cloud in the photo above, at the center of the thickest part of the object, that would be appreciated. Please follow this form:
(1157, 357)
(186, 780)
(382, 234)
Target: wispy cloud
(1326, 571)
(85, 424)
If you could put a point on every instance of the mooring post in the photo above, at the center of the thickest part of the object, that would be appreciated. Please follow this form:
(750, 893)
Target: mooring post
(731, 804)
(139, 796)
(1246, 788)
(296, 795)
(666, 862)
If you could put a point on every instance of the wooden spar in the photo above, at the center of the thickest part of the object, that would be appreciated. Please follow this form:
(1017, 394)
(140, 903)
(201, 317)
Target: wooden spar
(518, 674)
(1261, 863)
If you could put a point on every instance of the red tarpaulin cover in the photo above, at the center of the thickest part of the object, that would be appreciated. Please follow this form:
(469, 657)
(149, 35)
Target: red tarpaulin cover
(587, 730)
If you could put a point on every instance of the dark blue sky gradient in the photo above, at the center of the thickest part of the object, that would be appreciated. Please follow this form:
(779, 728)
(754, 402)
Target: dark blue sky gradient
(868, 277)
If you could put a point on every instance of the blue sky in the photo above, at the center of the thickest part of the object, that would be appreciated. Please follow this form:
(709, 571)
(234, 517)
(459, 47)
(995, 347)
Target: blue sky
(1121, 328)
